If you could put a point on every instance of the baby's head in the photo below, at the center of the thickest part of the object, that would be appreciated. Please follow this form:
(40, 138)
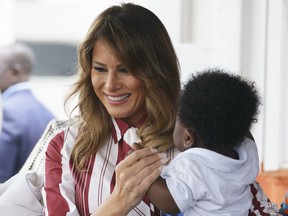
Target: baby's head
(216, 111)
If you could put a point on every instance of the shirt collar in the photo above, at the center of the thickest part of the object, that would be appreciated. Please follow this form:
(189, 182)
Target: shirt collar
(121, 127)
(15, 88)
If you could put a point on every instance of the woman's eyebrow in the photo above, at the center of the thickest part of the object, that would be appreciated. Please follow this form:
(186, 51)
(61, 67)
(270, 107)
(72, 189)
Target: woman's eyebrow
(98, 63)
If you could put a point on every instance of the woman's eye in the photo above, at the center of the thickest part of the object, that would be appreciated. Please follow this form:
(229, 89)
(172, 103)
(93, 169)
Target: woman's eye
(123, 70)
(100, 69)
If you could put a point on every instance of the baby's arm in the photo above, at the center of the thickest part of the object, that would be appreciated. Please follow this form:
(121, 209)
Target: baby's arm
(161, 197)
(158, 193)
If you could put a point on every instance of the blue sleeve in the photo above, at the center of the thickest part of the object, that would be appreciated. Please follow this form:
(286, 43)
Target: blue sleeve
(8, 148)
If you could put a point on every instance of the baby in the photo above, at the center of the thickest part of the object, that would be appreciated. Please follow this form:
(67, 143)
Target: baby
(218, 162)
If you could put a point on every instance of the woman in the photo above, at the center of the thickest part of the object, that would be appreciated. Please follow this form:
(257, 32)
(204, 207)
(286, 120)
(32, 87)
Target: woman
(127, 90)
(128, 87)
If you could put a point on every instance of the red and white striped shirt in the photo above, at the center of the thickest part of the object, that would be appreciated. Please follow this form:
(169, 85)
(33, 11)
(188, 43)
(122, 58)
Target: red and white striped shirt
(70, 192)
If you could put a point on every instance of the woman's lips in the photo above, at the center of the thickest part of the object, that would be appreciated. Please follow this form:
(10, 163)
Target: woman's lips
(117, 99)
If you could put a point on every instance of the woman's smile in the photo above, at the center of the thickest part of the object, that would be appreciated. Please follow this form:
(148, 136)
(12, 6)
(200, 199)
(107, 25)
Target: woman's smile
(117, 99)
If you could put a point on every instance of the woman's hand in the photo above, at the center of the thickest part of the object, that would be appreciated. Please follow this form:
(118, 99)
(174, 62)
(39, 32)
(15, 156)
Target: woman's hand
(134, 175)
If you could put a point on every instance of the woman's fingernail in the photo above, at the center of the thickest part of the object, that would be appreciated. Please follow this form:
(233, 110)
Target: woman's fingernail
(153, 150)
(164, 160)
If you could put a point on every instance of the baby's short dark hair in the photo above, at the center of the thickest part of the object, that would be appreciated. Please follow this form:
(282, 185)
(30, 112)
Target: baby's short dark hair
(218, 107)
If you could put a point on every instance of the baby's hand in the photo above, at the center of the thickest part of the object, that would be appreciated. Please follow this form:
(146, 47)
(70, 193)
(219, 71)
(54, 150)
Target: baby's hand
(135, 146)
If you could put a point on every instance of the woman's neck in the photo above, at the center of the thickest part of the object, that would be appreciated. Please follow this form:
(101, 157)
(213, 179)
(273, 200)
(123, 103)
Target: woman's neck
(136, 123)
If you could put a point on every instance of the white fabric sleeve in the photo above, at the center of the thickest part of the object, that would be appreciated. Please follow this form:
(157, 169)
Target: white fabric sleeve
(183, 180)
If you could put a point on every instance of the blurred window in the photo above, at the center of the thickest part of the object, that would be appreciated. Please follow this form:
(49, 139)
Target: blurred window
(53, 59)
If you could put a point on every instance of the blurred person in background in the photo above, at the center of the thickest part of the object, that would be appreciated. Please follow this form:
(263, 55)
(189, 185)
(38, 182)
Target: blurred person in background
(24, 117)
(1, 113)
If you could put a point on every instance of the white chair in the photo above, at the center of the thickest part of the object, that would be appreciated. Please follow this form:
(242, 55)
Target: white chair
(35, 161)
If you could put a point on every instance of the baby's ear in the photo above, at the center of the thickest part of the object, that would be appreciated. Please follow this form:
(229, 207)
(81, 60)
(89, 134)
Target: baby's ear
(189, 139)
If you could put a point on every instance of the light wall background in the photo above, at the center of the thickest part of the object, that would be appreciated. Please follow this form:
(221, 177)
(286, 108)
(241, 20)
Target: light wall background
(247, 37)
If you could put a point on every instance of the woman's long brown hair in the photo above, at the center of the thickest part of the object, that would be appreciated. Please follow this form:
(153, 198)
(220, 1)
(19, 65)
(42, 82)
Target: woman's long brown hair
(140, 41)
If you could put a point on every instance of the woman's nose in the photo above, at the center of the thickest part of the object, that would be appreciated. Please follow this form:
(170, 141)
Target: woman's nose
(112, 81)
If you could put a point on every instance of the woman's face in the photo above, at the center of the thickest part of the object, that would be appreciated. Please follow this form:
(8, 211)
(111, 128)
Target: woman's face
(121, 93)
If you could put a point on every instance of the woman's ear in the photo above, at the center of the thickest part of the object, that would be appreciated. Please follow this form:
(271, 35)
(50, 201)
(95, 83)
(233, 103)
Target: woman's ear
(189, 139)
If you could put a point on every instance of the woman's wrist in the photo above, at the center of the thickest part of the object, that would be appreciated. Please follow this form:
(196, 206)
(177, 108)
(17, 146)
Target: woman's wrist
(112, 206)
